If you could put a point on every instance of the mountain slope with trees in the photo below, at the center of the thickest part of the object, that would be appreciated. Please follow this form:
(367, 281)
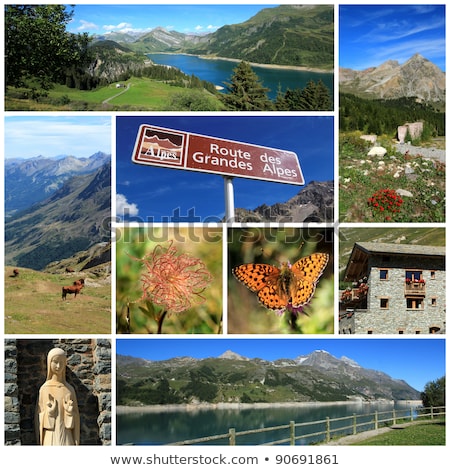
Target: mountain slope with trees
(231, 378)
(70, 220)
(296, 35)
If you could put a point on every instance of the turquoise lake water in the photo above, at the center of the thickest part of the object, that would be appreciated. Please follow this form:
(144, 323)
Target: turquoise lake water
(219, 71)
(158, 428)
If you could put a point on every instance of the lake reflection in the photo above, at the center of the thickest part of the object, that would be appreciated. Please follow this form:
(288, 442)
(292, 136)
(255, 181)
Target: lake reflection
(156, 428)
(219, 71)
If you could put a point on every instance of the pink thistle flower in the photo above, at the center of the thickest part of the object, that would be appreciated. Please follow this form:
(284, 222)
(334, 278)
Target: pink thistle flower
(172, 280)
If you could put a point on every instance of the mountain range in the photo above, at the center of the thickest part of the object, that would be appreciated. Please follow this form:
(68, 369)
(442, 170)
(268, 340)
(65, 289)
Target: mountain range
(299, 35)
(314, 203)
(233, 378)
(30, 180)
(417, 78)
(70, 219)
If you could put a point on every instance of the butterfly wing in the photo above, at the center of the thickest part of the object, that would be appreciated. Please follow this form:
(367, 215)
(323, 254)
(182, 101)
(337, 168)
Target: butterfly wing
(271, 297)
(263, 279)
(255, 275)
(307, 272)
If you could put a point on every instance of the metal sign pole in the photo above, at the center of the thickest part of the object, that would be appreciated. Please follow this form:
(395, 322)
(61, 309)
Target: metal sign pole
(229, 199)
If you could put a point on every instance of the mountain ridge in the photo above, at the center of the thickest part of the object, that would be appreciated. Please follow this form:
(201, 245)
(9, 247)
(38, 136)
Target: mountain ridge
(417, 78)
(30, 180)
(233, 378)
(313, 203)
(294, 35)
(68, 221)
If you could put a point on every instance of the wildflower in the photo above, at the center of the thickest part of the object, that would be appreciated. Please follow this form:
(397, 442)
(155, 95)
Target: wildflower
(385, 201)
(174, 281)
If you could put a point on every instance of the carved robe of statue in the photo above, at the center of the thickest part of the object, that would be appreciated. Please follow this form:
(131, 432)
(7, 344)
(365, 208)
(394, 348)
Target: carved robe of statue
(57, 416)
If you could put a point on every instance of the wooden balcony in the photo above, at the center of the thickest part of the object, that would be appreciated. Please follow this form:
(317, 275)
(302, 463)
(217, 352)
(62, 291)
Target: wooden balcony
(415, 288)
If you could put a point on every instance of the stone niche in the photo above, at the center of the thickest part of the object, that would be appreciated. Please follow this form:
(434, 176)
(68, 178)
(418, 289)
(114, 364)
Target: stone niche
(88, 371)
(415, 131)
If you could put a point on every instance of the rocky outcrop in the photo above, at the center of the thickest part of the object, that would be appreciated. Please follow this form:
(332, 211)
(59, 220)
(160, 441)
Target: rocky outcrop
(418, 78)
(314, 203)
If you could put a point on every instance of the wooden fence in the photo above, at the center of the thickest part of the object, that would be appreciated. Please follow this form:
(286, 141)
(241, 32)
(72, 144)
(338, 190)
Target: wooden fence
(328, 427)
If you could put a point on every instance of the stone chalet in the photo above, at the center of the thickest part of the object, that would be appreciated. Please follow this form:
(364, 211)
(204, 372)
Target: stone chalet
(396, 289)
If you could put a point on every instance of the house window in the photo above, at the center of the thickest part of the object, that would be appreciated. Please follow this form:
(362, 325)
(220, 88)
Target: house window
(417, 332)
(432, 274)
(413, 276)
(414, 303)
(433, 301)
(434, 329)
(370, 332)
(384, 303)
(384, 274)
(401, 332)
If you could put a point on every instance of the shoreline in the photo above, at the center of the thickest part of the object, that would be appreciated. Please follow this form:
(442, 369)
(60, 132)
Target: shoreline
(253, 64)
(189, 407)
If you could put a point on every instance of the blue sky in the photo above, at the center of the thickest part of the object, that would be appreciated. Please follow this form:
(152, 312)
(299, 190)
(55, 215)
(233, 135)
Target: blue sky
(372, 34)
(81, 136)
(103, 19)
(149, 192)
(417, 361)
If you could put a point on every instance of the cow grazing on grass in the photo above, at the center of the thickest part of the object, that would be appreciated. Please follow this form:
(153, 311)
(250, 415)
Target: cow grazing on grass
(15, 273)
(70, 270)
(73, 289)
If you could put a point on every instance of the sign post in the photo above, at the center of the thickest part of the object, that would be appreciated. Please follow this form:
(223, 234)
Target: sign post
(182, 150)
(229, 199)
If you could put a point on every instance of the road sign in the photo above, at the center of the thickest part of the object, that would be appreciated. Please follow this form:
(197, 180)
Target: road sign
(170, 148)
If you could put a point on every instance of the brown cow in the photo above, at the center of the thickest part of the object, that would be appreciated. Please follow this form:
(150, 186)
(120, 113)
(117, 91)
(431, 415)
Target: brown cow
(70, 270)
(15, 273)
(73, 289)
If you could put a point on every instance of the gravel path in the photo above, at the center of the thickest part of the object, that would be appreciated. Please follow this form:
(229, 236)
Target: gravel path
(433, 153)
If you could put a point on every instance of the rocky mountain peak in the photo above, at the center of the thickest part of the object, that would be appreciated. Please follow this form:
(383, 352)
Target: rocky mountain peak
(232, 355)
(314, 203)
(418, 77)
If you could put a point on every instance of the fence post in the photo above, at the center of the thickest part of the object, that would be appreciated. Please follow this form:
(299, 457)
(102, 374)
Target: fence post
(412, 413)
(376, 420)
(327, 429)
(394, 418)
(232, 436)
(292, 432)
(354, 423)
(431, 413)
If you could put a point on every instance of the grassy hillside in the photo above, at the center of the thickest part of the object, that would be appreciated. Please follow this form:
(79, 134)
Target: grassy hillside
(33, 304)
(285, 35)
(143, 94)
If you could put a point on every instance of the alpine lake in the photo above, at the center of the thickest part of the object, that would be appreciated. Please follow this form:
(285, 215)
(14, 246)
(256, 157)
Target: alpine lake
(219, 72)
(156, 426)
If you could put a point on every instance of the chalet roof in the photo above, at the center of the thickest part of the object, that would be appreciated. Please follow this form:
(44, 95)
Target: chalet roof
(401, 249)
(358, 262)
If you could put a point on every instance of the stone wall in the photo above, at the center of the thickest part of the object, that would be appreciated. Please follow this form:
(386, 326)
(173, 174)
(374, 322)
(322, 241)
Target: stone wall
(397, 317)
(88, 371)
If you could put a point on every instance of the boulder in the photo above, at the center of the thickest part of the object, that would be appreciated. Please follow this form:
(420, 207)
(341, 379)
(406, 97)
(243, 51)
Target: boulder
(377, 152)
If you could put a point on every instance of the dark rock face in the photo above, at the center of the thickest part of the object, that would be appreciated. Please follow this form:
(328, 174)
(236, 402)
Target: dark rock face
(314, 203)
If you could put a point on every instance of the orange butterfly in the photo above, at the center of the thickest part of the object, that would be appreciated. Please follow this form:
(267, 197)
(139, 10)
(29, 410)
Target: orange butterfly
(288, 286)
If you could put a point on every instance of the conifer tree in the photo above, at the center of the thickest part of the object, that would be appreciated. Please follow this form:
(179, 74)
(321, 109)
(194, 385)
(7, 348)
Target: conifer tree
(246, 92)
(315, 97)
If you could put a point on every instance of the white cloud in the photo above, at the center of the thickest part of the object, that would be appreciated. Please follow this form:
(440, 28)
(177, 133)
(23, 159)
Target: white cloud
(198, 28)
(121, 27)
(124, 207)
(86, 25)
